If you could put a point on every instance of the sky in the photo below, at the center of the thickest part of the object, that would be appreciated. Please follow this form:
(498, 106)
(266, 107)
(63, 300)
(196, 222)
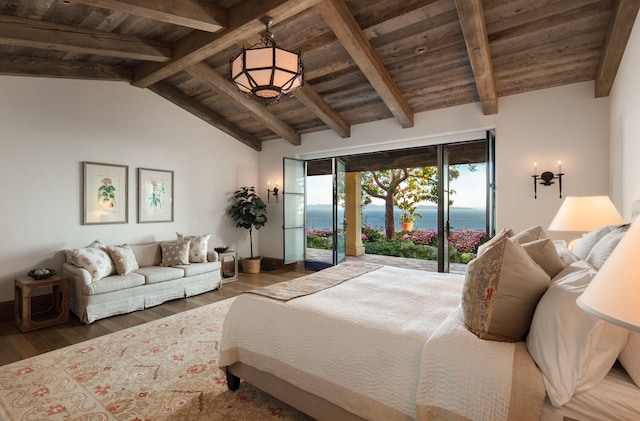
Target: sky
(470, 189)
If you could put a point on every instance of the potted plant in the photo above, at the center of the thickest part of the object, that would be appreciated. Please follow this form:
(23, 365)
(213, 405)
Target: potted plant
(249, 212)
(407, 204)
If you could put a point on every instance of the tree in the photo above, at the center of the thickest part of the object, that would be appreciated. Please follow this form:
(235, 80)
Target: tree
(404, 187)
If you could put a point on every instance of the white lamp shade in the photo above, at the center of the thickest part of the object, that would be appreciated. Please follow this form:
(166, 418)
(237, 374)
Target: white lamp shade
(614, 293)
(585, 213)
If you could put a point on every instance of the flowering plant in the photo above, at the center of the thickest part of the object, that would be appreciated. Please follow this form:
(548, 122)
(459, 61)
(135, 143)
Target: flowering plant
(107, 193)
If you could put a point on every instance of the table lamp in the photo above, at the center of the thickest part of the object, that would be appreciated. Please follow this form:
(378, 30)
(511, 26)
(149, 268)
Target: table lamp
(614, 293)
(584, 214)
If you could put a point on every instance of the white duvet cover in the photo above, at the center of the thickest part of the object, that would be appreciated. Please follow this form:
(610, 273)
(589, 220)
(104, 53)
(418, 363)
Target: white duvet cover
(364, 345)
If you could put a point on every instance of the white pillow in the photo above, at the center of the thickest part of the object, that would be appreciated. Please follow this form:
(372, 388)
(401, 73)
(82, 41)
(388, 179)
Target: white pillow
(603, 248)
(586, 243)
(630, 357)
(94, 258)
(573, 349)
(198, 247)
(123, 259)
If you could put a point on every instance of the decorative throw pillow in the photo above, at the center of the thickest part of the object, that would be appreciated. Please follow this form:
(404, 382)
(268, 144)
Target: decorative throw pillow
(544, 253)
(175, 253)
(603, 248)
(586, 243)
(573, 349)
(630, 357)
(123, 258)
(94, 258)
(501, 290)
(503, 233)
(530, 234)
(198, 247)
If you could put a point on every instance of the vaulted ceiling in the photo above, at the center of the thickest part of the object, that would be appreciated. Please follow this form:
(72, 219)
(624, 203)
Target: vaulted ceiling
(364, 60)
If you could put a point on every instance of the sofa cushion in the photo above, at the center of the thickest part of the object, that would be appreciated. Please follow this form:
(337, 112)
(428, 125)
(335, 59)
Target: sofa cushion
(501, 290)
(155, 274)
(147, 254)
(94, 258)
(113, 283)
(197, 248)
(123, 259)
(175, 253)
(199, 268)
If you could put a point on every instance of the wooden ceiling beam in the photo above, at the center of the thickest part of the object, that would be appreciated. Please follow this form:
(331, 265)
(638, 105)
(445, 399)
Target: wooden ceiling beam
(339, 18)
(475, 35)
(314, 102)
(40, 67)
(622, 21)
(222, 85)
(174, 95)
(21, 32)
(189, 13)
(244, 21)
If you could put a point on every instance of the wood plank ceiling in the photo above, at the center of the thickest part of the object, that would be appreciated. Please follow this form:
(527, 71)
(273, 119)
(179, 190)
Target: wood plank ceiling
(364, 60)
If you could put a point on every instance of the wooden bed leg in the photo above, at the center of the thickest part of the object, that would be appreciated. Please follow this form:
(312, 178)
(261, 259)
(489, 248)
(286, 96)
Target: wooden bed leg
(233, 382)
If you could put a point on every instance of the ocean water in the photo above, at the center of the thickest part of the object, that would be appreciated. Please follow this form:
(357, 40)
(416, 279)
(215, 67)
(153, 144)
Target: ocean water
(319, 217)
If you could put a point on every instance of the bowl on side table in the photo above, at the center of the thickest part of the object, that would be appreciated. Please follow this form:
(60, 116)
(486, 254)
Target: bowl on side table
(221, 249)
(41, 273)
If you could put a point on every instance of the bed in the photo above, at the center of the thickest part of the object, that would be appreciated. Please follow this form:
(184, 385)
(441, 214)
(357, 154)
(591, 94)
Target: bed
(362, 341)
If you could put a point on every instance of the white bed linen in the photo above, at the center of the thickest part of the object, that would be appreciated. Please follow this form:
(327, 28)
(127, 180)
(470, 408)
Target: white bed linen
(375, 349)
(616, 397)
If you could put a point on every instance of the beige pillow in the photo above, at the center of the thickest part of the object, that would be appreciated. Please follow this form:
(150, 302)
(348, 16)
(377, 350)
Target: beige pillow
(198, 247)
(501, 290)
(94, 258)
(630, 357)
(503, 233)
(530, 234)
(175, 253)
(545, 254)
(123, 258)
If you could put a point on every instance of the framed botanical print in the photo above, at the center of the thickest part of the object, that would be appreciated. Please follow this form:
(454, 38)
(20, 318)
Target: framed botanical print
(105, 193)
(155, 195)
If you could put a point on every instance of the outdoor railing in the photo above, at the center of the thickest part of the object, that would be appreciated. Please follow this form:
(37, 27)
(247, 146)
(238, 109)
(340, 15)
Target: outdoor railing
(422, 224)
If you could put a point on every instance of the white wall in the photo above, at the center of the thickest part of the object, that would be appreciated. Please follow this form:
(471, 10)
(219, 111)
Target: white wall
(565, 123)
(49, 126)
(625, 127)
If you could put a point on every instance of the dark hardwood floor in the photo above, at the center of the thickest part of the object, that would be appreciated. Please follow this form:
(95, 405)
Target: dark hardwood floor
(15, 345)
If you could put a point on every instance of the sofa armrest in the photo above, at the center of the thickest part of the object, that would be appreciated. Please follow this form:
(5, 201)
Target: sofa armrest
(79, 275)
(212, 256)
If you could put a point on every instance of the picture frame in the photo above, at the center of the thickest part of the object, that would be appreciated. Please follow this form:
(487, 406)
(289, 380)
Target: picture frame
(105, 193)
(155, 195)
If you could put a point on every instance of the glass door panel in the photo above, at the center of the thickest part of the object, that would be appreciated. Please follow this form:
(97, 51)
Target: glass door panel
(340, 207)
(293, 197)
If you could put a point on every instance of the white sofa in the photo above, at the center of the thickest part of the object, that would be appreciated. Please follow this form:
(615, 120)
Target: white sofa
(149, 285)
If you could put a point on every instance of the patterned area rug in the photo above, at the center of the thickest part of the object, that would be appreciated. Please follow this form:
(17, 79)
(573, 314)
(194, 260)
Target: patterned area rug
(161, 370)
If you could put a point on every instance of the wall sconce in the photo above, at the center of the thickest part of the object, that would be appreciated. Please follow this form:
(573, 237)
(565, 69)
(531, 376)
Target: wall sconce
(272, 192)
(546, 179)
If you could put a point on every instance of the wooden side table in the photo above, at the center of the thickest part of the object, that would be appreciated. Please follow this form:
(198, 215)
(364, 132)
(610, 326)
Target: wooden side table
(57, 310)
(229, 257)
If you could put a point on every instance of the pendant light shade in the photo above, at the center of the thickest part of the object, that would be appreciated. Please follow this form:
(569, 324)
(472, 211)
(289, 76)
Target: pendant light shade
(267, 73)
